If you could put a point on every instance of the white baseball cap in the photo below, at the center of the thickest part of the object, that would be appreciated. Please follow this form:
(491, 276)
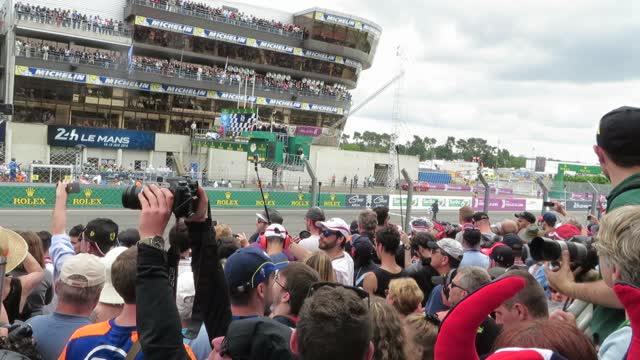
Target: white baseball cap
(109, 295)
(276, 230)
(335, 224)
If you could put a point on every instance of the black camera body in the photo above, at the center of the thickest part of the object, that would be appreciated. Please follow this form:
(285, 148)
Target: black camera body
(185, 196)
(582, 252)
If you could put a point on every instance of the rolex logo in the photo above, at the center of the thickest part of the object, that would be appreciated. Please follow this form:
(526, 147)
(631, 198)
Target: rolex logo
(332, 197)
(30, 192)
(266, 196)
(227, 195)
(87, 193)
(300, 196)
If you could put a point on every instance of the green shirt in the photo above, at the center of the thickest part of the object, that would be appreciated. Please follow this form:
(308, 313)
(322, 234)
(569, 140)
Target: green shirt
(626, 193)
(606, 320)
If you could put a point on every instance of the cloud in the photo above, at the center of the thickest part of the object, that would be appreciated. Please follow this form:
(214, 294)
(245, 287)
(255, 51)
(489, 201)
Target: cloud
(535, 76)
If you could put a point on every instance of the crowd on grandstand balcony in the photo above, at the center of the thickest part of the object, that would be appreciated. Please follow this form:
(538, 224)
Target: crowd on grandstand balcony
(235, 75)
(66, 54)
(68, 18)
(204, 10)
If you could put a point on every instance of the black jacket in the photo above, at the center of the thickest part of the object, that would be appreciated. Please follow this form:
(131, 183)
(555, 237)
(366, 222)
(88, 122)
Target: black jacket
(158, 321)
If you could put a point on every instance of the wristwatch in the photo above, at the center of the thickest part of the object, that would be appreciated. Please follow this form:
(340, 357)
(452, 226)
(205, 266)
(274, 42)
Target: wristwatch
(407, 247)
(153, 241)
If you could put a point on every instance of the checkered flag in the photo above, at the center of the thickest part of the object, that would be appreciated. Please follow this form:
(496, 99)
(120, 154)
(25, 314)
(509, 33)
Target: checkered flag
(241, 122)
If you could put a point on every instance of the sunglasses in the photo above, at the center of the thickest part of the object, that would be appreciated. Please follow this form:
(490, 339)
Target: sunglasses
(454, 285)
(362, 294)
(327, 233)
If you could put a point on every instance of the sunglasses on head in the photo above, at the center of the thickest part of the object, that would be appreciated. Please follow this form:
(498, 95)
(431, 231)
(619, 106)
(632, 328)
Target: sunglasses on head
(362, 294)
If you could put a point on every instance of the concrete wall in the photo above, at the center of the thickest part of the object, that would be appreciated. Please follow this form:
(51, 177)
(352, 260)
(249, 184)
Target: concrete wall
(328, 161)
(29, 142)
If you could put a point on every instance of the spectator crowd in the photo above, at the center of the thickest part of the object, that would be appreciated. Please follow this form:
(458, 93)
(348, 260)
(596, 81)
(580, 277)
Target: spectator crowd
(210, 12)
(69, 18)
(64, 53)
(364, 290)
(234, 75)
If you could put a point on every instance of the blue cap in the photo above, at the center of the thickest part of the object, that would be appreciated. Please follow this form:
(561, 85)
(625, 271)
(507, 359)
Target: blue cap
(248, 267)
(550, 218)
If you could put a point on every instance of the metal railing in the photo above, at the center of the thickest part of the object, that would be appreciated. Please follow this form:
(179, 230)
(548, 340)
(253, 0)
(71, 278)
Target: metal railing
(72, 58)
(164, 5)
(234, 81)
(71, 23)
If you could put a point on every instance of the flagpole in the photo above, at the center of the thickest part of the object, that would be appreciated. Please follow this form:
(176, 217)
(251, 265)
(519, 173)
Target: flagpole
(253, 90)
(246, 85)
(239, 92)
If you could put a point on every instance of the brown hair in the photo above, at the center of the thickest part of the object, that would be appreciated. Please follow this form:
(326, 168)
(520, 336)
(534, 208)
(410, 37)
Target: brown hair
(223, 231)
(388, 334)
(532, 296)
(35, 246)
(123, 274)
(299, 279)
(321, 262)
(406, 295)
(558, 336)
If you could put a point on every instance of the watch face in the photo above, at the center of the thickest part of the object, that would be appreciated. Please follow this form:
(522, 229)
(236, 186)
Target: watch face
(158, 242)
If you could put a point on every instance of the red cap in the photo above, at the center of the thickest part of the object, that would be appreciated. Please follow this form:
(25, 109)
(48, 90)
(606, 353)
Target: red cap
(488, 251)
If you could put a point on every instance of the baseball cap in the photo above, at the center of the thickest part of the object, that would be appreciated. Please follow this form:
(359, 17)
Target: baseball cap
(87, 266)
(565, 232)
(513, 241)
(103, 232)
(450, 246)
(248, 267)
(420, 225)
(109, 295)
(275, 230)
(362, 248)
(335, 224)
(257, 338)
(550, 219)
(529, 233)
(14, 247)
(619, 130)
(489, 250)
(479, 216)
(274, 216)
(503, 255)
(527, 216)
(315, 214)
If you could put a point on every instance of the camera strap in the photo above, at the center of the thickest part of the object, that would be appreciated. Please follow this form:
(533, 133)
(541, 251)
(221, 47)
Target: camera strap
(133, 352)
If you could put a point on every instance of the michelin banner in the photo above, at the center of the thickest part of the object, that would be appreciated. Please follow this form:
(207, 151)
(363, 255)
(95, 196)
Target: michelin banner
(422, 202)
(344, 21)
(241, 40)
(169, 89)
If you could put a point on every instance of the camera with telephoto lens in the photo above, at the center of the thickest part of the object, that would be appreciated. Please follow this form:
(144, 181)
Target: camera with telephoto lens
(582, 252)
(19, 342)
(185, 196)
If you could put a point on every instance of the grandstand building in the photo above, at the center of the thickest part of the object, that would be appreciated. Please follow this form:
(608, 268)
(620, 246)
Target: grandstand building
(131, 81)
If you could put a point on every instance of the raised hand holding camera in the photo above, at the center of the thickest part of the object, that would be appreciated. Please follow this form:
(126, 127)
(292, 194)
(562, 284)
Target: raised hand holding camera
(157, 204)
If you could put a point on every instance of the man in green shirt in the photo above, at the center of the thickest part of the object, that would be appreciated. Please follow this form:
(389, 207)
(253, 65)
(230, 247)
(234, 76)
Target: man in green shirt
(618, 150)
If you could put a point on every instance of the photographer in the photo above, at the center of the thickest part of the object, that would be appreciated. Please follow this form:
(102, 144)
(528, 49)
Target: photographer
(618, 153)
(160, 335)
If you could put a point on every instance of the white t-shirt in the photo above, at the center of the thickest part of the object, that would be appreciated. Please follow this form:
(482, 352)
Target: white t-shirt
(343, 267)
(311, 243)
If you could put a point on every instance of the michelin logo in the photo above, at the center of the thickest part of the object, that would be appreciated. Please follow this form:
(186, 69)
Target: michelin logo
(60, 75)
(341, 20)
(170, 26)
(274, 46)
(226, 37)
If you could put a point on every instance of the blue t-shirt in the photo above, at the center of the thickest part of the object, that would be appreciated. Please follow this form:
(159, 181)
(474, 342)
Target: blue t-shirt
(435, 304)
(52, 332)
(13, 166)
(200, 346)
(473, 257)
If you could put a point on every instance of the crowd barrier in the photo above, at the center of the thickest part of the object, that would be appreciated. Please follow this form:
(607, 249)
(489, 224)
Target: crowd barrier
(109, 197)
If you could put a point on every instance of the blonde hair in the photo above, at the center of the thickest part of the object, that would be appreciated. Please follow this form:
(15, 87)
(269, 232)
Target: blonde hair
(223, 230)
(617, 242)
(321, 262)
(388, 334)
(421, 336)
(406, 295)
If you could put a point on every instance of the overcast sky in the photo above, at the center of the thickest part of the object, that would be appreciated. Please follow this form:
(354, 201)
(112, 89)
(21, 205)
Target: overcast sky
(535, 76)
